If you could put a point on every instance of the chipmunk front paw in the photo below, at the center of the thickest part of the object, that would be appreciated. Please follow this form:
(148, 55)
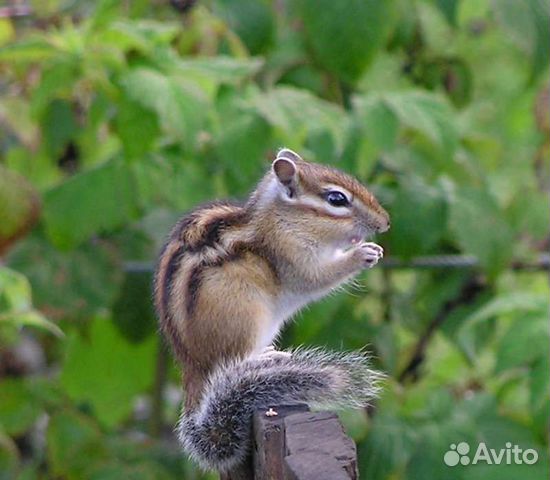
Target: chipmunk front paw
(271, 352)
(370, 253)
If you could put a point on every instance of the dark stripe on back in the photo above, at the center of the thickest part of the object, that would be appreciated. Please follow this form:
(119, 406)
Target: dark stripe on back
(213, 229)
(171, 268)
(171, 331)
(212, 232)
(156, 282)
(240, 249)
(182, 225)
(193, 285)
(185, 222)
(162, 286)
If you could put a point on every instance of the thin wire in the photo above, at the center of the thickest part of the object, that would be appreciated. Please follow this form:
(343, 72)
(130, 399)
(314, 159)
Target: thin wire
(542, 262)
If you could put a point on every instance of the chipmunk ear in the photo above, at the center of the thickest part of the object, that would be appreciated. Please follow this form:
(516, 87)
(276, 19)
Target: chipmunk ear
(285, 170)
(290, 154)
(287, 174)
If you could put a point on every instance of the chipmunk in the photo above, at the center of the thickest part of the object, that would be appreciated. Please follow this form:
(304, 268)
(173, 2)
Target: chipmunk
(231, 275)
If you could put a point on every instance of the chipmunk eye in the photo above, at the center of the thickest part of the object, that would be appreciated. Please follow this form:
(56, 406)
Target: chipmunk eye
(337, 199)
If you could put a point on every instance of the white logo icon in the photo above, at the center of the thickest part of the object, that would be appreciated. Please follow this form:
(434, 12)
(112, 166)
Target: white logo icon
(457, 454)
(512, 454)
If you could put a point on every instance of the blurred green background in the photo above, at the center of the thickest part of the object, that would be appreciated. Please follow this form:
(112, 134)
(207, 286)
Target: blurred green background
(117, 116)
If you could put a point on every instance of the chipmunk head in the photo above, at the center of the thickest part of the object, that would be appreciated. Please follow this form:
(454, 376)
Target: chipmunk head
(332, 205)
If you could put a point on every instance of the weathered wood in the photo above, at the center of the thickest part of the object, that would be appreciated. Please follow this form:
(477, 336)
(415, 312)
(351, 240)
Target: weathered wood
(269, 440)
(292, 443)
(313, 466)
(317, 443)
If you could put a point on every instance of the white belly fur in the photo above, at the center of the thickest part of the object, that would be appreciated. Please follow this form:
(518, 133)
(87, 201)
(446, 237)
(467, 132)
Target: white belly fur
(283, 310)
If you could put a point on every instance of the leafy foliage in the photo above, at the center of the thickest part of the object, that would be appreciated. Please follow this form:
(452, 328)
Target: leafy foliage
(117, 116)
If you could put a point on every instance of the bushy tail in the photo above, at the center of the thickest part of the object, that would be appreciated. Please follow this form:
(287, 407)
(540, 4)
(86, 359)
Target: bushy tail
(217, 434)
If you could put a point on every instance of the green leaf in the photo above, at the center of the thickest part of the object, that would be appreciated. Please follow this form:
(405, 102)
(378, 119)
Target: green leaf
(541, 52)
(388, 447)
(7, 31)
(470, 11)
(57, 80)
(528, 213)
(526, 303)
(458, 79)
(240, 145)
(252, 20)
(137, 127)
(139, 35)
(427, 114)
(333, 325)
(28, 50)
(180, 104)
(169, 179)
(539, 379)
(419, 219)
(15, 291)
(9, 458)
(106, 371)
(59, 126)
(125, 36)
(426, 461)
(18, 408)
(150, 88)
(105, 12)
(480, 229)
(74, 445)
(355, 423)
(133, 313)
(525, 342)
(449, 9)
(387, 346)
(73, 285)
(527, 25)
(297, 113)
(146, 454)
(346, 35)
(31, 319)
(88, 203)
(446, 421)
(19, 207)
(380, 122)
(221, 69)
(16, 306)
(17, 120)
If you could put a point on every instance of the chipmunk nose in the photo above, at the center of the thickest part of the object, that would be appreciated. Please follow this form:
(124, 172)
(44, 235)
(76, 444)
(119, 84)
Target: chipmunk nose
(385, 226)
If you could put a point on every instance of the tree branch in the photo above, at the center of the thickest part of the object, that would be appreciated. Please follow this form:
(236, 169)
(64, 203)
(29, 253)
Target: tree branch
(469, 291)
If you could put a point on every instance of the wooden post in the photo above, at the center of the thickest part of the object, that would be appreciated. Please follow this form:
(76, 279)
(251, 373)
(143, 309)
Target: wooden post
(269, 440)
(292, 443)
(317, 448)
